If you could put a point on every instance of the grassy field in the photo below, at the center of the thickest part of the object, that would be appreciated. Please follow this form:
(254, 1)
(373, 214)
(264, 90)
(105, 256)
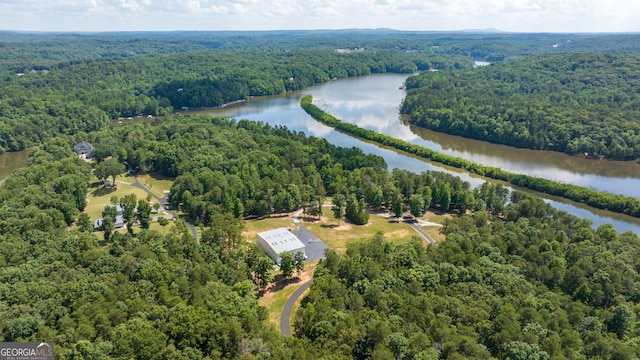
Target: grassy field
(152, 226)
(434, 231)
(99, 196)
(337, 237)
(156, 183)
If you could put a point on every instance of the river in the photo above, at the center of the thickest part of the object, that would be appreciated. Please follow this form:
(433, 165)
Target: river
(372, 102)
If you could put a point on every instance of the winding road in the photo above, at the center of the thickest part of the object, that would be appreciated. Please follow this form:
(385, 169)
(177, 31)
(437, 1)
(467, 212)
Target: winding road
(418, 228)
(285, 319)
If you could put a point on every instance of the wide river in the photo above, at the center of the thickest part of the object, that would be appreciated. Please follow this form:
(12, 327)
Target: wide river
(372, 102)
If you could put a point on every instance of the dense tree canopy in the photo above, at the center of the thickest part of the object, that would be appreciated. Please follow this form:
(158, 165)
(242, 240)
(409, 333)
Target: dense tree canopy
(83, 96)
(540, 285)
(573, 103)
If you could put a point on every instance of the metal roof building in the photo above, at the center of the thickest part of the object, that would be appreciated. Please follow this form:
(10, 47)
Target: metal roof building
(278, 241)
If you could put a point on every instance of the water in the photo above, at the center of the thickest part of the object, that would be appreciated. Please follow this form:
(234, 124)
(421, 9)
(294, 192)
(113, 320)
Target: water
(372, 102)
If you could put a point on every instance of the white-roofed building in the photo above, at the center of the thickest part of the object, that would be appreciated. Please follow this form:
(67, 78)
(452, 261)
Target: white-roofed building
(278, 241)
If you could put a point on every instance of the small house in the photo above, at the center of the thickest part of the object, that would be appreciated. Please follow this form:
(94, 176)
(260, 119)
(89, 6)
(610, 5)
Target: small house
(278, 241)
(117, 223)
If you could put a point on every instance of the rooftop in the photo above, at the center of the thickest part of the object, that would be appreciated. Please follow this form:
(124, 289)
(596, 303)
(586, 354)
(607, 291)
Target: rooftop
(281, 240)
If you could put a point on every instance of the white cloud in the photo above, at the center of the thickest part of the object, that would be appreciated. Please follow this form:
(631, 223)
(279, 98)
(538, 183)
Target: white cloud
(510, 15)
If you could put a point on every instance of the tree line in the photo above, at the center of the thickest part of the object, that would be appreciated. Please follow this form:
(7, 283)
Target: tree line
(85, 95)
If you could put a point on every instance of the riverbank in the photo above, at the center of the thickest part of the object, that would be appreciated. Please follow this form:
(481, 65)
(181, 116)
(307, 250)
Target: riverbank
(597, 199)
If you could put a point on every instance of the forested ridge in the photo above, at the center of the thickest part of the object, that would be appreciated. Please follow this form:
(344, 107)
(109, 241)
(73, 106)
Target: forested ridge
(85, 95)
(66, 83)
(573, 103)
(24, 51)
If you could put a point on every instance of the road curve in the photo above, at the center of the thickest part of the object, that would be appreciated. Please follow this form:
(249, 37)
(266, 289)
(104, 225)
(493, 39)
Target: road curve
(285, 319)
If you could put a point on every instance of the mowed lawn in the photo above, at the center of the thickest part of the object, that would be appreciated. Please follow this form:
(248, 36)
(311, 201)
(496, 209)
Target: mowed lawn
(156, 183)
(337, 237)
(99, 196)
(434, 231)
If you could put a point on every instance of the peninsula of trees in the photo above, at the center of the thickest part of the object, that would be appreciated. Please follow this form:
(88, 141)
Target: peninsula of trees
(598, 199)
(82, 96)
(585, 104)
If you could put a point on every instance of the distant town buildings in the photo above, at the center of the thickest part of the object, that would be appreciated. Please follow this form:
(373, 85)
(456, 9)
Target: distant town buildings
(349, 51)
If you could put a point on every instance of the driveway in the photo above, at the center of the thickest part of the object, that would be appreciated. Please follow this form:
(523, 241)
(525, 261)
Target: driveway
(285, 319)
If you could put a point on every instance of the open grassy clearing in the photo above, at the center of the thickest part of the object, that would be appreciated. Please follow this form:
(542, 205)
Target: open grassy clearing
(277, 295)
(136, 229)
(156, 183)
(434, 231)
(435, 217)
(337, 237)
(152, 226)
(99, 196)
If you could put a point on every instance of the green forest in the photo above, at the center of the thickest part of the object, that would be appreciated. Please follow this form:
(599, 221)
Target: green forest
(510, 278)
(540, 285)
(584, 104)
(85, 95)
(515, 279)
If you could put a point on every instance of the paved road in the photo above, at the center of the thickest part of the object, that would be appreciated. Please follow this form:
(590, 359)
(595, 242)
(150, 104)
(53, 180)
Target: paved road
(419, 230)
(161, 200)
(285, 319)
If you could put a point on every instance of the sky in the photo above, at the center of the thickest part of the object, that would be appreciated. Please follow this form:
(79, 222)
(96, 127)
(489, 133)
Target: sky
(439, 15)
